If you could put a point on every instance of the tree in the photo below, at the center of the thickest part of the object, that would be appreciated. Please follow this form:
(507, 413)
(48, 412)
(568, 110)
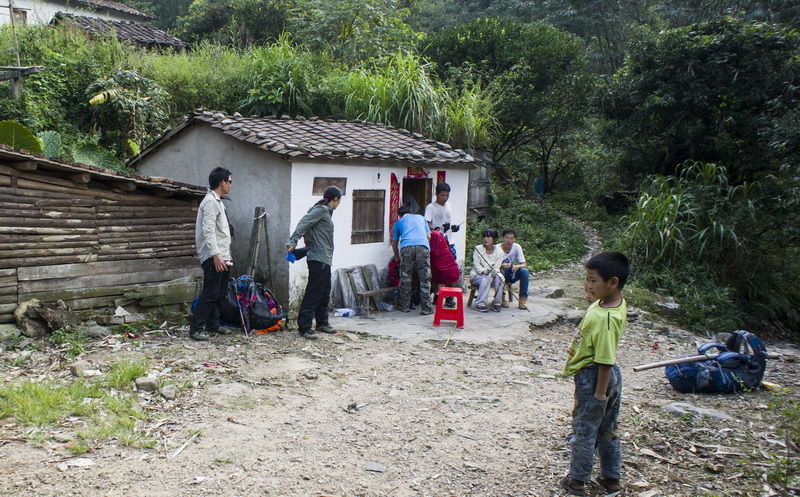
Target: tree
(538, 74)
(713, 92)
(241, 23)
(352, 31)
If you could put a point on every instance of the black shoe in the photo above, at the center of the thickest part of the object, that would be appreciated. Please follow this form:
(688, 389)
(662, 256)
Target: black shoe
(326, 329)
(450, 302)
(309, 335)
(426, 310)
(404, 309)
(198, 336)
(221, 330)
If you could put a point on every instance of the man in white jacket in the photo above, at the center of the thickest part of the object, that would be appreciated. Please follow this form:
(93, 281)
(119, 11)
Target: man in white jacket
(213, 242)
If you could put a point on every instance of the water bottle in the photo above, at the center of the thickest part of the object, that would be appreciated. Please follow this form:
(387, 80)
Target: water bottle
(344, 312)
(386, 307)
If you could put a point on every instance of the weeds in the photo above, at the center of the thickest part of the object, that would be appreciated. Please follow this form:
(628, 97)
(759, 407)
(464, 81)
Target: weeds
(785, 474)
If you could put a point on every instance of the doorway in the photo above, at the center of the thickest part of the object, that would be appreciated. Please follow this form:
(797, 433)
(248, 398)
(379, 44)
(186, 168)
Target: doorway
(417, 194)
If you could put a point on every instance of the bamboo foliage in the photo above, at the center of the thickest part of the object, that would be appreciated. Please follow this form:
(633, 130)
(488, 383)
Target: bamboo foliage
(399, 92)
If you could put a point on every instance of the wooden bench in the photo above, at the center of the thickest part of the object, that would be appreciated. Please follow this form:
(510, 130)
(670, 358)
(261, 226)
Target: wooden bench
(363, 297)
(473, 289)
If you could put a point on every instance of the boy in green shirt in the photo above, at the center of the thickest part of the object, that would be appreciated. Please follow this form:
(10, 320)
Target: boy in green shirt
(591, 358)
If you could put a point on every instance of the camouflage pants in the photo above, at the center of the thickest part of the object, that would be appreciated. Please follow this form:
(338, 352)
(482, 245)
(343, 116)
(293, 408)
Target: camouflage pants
(415, 257)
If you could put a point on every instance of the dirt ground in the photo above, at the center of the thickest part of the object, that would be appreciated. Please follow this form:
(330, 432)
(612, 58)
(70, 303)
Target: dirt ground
(394, 406)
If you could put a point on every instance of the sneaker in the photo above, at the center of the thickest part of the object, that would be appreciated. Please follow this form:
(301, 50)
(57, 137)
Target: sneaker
(481, 308)
(326, 329)
(404, 309)
(198, 336)
(308, 334)
(496, 307)
(426, 310)
(450, 302)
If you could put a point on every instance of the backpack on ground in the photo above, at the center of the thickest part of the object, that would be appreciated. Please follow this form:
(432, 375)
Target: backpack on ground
(738, 366)
(264, 312)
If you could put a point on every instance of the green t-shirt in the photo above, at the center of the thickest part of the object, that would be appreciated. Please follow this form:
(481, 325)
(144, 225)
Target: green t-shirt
(597, 337)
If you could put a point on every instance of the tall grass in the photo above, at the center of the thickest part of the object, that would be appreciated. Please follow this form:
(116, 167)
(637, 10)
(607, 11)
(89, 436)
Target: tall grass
(397, 91)
(710, 244)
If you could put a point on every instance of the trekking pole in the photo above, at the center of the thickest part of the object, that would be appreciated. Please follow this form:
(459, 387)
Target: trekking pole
(245, 322)
(507, 287)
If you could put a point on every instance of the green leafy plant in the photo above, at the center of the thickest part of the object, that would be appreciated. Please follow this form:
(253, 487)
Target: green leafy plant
(785, 474)
(19, 137)
(75, 340)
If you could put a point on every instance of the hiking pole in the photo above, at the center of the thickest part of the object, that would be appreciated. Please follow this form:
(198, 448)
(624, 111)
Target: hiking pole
(245, 322)
(507, 287)
(683, 360)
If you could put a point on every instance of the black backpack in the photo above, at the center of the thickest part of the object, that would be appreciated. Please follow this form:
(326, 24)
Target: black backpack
(739, 366)
(264, 312)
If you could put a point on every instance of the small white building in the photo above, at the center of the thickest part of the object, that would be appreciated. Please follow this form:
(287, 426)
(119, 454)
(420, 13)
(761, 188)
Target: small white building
(43, 11)
(285, 164)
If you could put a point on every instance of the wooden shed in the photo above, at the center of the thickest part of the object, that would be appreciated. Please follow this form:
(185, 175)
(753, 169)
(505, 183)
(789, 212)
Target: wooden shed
(93, 238)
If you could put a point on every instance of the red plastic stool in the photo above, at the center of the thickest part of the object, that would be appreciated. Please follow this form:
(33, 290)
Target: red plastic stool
(456, 314)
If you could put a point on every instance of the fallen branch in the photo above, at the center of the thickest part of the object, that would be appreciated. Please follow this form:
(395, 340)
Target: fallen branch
(684, 360)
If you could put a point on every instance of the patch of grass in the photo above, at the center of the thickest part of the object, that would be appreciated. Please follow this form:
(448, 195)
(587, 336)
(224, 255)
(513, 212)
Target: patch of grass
(785, 472)
(107, 414)
(44, 403)
(125, 371)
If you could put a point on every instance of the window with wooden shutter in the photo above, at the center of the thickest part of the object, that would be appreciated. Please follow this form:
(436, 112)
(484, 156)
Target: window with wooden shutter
(368, 210)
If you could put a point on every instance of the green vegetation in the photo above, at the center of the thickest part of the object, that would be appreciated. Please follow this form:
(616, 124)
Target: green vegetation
(74, 341)
(785, 474)
(110, 409)
(548, 237)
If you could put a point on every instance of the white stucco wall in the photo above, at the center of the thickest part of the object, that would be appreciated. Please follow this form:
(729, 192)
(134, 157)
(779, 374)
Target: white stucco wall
(42, 11)
(363, 176)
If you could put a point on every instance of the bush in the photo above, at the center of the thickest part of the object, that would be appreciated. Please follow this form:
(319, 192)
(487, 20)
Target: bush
(713, 246)
(548, 238)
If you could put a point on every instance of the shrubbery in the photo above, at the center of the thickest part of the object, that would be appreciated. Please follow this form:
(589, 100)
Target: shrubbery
(547, 236)
(712, 246)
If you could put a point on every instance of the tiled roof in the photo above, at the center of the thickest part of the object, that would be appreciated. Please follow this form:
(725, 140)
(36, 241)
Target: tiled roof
(142, 34)
(9, 156)
(315, 138)
(119, 7)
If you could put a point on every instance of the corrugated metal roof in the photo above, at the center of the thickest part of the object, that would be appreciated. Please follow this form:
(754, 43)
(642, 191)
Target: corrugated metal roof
(9, 156)
(142, 34)
(315, 138)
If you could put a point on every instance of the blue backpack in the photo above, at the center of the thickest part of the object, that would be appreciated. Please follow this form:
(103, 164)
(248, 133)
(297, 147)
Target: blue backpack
(739, 366)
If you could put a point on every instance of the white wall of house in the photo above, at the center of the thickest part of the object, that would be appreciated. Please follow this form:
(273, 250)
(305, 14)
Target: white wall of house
(42, 11)
(363, 176)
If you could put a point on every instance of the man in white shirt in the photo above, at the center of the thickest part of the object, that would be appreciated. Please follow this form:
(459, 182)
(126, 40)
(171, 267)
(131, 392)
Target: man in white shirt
(438, 213)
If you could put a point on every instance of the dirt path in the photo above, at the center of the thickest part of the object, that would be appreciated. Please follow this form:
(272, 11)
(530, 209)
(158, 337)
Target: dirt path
(365, 414)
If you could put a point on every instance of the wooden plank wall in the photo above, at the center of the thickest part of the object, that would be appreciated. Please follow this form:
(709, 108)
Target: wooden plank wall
(69, 238)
